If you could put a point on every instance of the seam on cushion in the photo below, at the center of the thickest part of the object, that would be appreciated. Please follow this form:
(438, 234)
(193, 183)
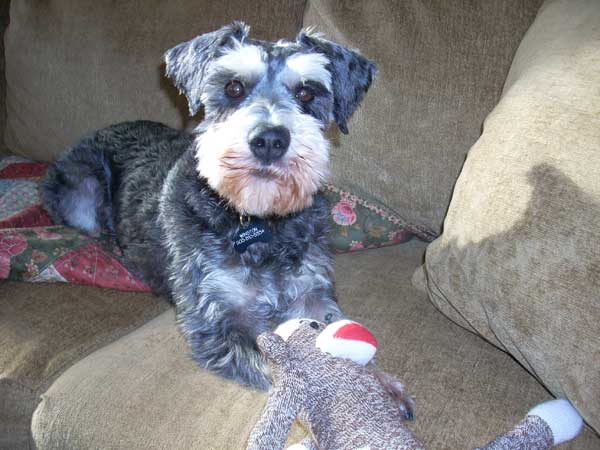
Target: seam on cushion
(32, 393)
(42, 399)
(101, 343)
(43, 388)
(304, 9)
(526, 365)
(500, 346)
(429, 279)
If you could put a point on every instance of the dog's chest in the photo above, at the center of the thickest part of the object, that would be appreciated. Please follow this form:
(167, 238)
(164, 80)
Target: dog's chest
(200, 232)
(267, 276)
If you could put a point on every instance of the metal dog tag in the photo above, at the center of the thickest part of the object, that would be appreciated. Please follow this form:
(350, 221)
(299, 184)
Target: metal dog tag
(255, 230)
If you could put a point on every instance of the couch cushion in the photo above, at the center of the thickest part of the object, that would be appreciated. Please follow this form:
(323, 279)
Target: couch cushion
(442, 66)
(3, 24)
(45, 328)
(73, 66)
(143, 391)
(519, 260)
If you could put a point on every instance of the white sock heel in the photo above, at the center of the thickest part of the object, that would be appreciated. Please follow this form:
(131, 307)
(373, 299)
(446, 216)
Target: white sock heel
(562, 418)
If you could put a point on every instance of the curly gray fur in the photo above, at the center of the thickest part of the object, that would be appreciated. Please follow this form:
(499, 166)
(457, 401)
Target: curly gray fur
(142, 180)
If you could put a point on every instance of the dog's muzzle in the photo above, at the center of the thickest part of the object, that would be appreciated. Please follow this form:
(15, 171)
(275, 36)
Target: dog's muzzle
(269, 144)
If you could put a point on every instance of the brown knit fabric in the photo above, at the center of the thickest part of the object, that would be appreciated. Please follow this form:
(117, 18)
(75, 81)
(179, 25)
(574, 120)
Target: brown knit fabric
(532, 433)
(345, 405)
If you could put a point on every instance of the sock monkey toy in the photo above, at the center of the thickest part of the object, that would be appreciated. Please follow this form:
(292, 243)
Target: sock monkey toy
(324, 375)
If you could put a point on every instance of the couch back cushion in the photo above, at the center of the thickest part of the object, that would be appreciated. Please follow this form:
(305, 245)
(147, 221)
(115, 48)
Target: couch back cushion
(442, 67)
(519, 259)
(73, 66)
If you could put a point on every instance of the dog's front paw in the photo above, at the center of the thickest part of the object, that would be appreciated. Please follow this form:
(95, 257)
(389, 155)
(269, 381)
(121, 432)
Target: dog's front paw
(406, 403)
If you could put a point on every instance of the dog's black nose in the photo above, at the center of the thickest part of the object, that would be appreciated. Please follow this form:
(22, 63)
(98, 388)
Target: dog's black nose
(270, 144)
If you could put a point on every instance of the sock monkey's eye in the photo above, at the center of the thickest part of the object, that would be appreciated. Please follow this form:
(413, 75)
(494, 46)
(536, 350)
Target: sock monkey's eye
(234, 89)
(305, 94)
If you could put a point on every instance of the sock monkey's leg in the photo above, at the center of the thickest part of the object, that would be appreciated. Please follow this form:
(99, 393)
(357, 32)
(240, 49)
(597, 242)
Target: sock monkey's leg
(532, 433)
(548, 424)
(562, 418)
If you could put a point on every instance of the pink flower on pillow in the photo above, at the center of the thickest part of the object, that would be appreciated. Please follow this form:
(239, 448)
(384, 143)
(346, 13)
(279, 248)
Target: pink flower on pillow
(356, 245)
(343, 213)
(399, 236)
(11, 244)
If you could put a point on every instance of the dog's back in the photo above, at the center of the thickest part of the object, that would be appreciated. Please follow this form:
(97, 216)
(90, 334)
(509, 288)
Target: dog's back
(112, 180)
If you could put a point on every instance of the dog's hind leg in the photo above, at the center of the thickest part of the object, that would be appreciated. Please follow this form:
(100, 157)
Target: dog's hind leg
(76, 190)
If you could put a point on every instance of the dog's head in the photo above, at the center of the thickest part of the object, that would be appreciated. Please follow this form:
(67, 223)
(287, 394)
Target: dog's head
(267, 106)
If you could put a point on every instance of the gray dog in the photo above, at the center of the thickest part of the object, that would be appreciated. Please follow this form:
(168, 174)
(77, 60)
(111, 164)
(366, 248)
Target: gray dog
(226, 221)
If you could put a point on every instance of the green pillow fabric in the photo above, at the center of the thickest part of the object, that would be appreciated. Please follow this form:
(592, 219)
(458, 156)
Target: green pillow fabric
(357, 223)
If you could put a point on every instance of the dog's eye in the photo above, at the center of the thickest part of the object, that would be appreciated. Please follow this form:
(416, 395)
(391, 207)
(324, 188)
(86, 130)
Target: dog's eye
(305, 94)
(234, 89)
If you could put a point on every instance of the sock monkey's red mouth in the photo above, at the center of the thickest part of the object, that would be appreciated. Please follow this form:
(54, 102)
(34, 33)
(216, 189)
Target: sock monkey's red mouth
(357, 332)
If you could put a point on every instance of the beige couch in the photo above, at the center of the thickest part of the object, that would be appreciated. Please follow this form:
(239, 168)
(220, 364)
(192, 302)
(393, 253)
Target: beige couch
(517, 264)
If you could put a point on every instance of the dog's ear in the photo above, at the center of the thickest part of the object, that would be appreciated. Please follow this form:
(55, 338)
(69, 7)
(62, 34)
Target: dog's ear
(187, 63)
(351, 75)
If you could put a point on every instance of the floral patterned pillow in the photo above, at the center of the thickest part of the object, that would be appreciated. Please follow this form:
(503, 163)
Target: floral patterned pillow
(358, 224)
(65, 255)
(33, 249)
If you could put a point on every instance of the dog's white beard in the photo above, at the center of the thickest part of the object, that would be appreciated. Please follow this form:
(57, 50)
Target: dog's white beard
(284, 187)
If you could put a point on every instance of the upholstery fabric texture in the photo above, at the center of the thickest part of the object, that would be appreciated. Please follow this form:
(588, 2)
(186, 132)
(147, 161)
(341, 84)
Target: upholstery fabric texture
(45, 328)
(73, 66)
(519, 259)
(441, 69)
(143, 391)
(4, 6)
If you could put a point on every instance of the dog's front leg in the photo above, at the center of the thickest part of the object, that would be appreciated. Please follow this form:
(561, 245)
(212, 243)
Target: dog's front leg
(221, 329)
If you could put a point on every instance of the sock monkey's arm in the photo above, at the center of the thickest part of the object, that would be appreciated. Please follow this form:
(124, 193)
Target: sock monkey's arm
(273, 427)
